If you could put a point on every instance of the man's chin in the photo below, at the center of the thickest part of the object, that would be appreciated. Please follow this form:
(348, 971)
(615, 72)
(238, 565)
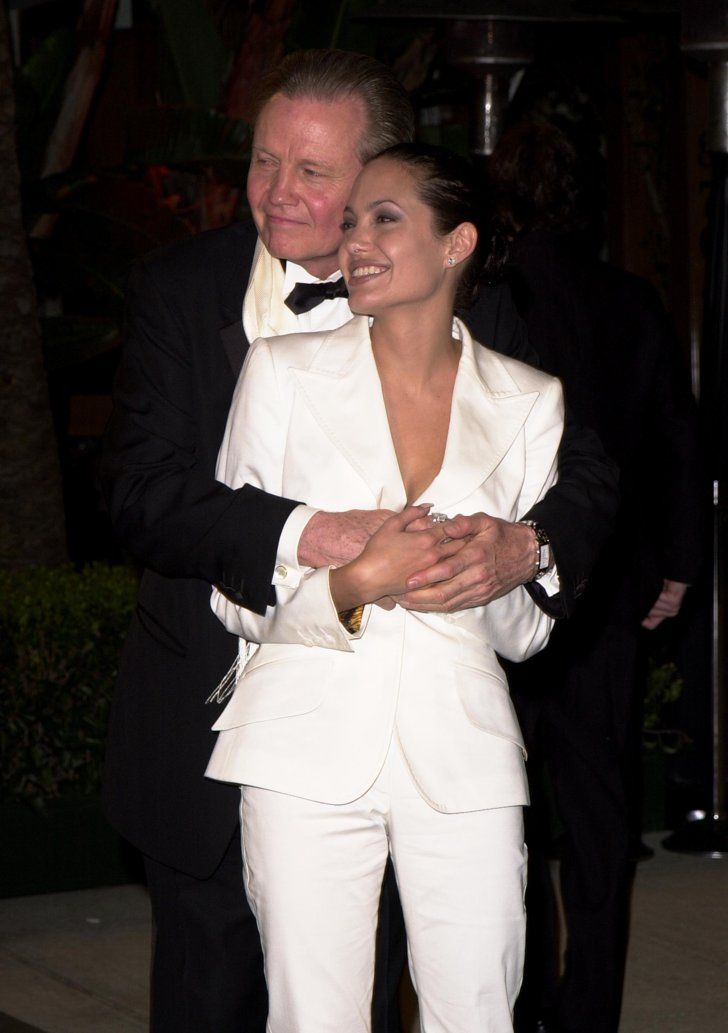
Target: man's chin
(286, 245)
(290, 248)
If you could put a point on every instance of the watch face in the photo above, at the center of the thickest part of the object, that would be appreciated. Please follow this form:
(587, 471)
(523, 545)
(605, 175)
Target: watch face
(544, 557)
(544, 547)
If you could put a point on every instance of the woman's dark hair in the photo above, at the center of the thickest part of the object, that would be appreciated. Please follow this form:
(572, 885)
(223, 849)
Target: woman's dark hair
(451, 189)
(536, 175)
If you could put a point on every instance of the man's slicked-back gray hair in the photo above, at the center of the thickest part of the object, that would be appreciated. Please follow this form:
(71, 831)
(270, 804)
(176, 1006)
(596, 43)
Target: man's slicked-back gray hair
(334, 75)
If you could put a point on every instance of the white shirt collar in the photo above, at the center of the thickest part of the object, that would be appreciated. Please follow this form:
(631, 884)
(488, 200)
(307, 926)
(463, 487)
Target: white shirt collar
(329, 315)
(297, 274)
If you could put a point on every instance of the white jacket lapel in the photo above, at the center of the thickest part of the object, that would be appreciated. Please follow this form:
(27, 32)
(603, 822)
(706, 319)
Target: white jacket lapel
(342, 390)
(488, 411)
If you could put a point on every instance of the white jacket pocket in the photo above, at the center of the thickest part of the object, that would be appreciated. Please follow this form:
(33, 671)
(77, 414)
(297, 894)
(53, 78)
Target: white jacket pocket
(487, 703)
(274, 687)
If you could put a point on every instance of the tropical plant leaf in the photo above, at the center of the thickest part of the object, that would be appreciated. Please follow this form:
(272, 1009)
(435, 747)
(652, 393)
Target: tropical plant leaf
(70, 340)
(39, 91)
(199, 56)
(174, 135)
(45, 71)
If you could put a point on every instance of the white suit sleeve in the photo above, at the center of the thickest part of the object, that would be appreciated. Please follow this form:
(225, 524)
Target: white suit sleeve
(514, 625)
(253, 452)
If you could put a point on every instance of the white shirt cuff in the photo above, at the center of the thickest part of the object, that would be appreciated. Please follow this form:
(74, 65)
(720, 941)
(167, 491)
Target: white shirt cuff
(550, 582)
(288, 571)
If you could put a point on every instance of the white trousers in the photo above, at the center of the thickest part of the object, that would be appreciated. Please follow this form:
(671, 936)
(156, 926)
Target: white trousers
(313, 875)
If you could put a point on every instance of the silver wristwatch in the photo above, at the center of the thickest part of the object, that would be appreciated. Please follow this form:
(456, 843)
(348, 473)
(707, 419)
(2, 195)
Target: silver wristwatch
(544, 559)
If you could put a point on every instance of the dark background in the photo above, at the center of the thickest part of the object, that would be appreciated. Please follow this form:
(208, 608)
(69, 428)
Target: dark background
(160, 93)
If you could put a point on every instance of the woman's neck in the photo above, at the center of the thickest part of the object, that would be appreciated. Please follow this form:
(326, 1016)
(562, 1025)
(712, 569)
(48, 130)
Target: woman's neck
(415, 346)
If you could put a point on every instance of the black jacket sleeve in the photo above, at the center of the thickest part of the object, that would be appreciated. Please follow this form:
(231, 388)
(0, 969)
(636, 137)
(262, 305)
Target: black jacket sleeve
(578, 512)
(172, 395)
(676, 473)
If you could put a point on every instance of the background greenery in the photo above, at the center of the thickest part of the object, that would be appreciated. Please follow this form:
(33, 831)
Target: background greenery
(60, 636)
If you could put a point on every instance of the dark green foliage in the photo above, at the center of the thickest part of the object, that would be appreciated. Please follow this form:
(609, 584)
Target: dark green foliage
(61, 632)
(71, 340)
(197, 52)
(664, 687)
(39, 89)
(182, 135)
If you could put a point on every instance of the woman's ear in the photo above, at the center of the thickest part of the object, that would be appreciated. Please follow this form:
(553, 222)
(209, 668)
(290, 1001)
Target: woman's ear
(461, 243)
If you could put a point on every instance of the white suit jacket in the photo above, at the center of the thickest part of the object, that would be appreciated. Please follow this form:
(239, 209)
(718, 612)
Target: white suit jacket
(314, 710)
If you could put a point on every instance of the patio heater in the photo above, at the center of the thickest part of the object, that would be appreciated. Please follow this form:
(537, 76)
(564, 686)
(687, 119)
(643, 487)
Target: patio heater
(492, 42)
(705, 37)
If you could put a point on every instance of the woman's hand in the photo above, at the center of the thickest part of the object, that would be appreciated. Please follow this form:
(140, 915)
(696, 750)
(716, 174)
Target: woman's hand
(499, 557)
(391, 556)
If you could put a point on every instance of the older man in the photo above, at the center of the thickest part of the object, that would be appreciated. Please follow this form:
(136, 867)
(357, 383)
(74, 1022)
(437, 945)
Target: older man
(193, 308)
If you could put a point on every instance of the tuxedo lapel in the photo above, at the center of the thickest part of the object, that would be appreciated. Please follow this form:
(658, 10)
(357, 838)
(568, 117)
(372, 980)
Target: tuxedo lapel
(342, 390)
(236, 345)
(232, 293)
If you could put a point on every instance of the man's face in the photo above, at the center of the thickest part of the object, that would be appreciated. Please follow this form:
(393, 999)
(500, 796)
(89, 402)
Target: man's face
(305, 160)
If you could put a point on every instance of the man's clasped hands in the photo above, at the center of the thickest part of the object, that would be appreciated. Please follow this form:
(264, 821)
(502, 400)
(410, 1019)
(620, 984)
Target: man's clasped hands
(428, 565)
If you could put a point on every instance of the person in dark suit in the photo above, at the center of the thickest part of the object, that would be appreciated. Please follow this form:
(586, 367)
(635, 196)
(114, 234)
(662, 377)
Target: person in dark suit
(322, 114)
(605, 333)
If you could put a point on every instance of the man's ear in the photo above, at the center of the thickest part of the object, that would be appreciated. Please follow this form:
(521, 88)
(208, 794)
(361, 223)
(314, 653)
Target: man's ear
(462, 242)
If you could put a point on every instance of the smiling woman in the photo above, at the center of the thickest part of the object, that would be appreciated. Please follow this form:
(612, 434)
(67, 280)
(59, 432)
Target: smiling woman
(404, 254)
(389, 228)
(358, 731)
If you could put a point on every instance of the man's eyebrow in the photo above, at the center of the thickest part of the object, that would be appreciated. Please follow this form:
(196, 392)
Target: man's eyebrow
(317, 163)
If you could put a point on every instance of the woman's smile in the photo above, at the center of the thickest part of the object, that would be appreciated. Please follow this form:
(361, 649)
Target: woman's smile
(388, 229)
(365, 272)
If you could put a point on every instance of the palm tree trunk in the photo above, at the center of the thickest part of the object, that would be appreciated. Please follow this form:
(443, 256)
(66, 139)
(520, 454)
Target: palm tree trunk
(32, 526)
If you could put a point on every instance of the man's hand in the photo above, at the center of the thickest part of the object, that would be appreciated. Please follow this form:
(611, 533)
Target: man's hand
(498, 557)
(332, 539)
(389, 558)
(667, 604)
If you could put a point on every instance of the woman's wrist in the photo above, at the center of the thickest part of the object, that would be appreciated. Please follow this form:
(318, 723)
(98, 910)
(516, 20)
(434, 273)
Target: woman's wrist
(346, 588)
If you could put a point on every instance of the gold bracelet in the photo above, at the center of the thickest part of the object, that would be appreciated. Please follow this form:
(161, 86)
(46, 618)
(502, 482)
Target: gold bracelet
(351, 619)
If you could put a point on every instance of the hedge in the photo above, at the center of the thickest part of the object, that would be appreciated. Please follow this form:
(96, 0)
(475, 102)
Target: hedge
(61, 631)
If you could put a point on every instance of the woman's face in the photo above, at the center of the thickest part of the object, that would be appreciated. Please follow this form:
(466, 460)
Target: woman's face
(391, 254)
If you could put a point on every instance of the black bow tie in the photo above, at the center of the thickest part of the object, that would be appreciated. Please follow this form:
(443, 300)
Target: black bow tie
(306, 296)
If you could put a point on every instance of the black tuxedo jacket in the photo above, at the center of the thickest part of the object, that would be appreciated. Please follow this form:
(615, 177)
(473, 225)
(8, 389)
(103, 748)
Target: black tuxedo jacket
(183, 350)
(605, 333)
